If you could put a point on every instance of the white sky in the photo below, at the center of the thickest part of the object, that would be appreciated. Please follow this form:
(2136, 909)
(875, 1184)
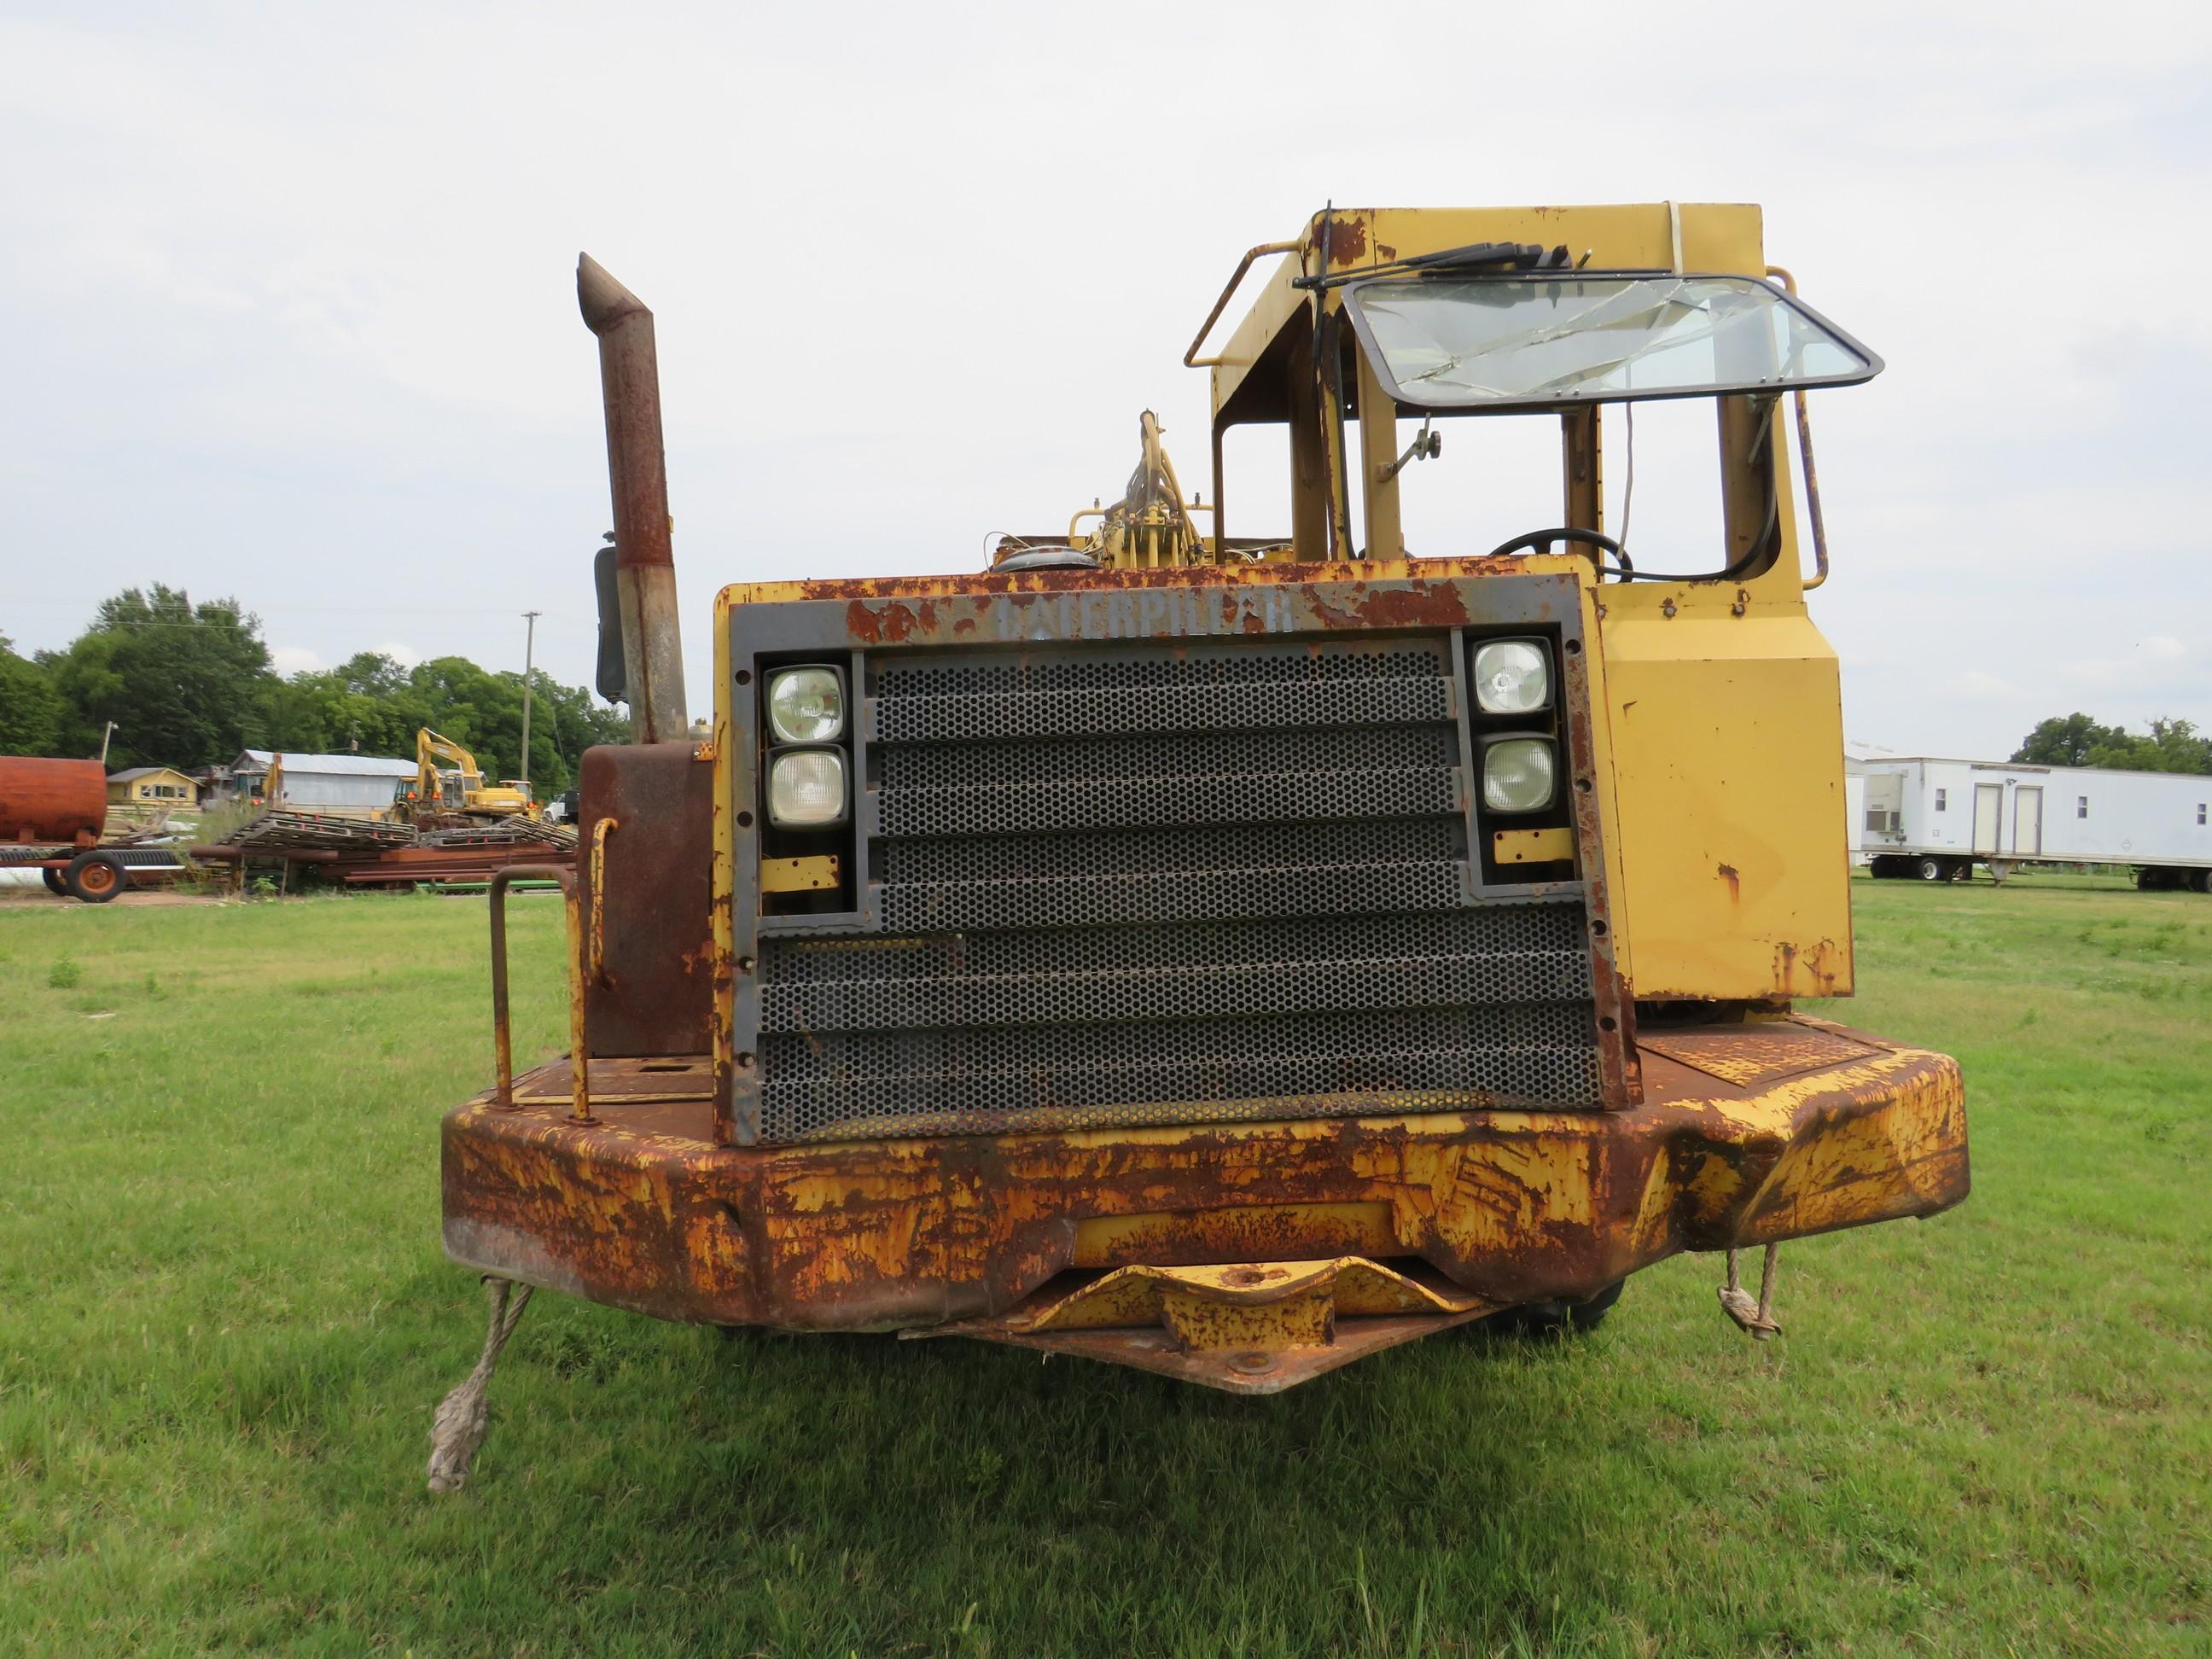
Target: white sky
(291, 314)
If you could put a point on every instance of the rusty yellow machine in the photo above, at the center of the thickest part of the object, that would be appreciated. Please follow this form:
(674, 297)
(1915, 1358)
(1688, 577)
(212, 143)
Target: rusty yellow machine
(1232, 954)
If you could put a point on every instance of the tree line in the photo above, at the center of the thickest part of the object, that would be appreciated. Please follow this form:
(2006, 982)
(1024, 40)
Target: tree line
(2173, 746)
(190, 685)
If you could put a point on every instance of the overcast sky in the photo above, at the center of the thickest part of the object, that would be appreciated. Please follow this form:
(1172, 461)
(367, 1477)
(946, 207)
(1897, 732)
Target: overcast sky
(291, 317)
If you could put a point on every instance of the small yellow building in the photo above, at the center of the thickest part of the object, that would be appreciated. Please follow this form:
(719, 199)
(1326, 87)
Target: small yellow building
(150, 786)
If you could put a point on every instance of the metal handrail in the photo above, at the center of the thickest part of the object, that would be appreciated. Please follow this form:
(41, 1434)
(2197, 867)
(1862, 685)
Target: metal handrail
(502, 1038)
(600, 831)
(1190, 357)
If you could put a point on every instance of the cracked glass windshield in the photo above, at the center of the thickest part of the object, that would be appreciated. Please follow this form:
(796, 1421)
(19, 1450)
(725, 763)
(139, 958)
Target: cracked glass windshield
(1450, 342)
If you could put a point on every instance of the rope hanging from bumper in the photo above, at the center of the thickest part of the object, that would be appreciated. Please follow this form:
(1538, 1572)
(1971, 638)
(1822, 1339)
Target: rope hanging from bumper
(1754, 1317)
(463, 1417)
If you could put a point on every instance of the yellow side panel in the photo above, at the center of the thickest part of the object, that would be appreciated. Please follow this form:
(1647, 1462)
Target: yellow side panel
(1727, 745)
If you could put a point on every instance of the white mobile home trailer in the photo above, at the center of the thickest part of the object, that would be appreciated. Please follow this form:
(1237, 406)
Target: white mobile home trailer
(1935, 819)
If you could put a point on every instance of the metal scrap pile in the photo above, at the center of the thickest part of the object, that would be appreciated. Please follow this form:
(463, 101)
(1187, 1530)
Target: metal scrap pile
(361, 852)
(279, 831)
(503, 832)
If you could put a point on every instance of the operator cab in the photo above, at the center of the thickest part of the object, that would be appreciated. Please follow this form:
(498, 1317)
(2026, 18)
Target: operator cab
(1353, 335)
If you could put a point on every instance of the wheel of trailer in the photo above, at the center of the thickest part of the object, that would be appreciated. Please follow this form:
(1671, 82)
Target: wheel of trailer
(96, 877)
(1555, 1317)
(55, 884)
(1933, 870)
(2201, 880)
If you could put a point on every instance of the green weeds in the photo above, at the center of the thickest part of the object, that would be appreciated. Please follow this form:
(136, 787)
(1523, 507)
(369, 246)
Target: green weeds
(225, 1319)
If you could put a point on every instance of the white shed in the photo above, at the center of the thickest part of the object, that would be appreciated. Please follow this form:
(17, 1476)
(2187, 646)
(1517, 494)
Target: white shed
(323, 783)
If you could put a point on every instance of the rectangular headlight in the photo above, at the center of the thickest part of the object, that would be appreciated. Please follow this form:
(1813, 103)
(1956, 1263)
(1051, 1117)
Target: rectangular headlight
(806, 788)
(1519, 775)
(1512, 677)
(806, 705)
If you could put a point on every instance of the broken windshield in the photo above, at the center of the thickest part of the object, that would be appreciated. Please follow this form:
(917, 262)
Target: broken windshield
(1532, 340)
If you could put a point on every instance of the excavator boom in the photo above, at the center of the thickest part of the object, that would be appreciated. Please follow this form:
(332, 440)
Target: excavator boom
(457, 787)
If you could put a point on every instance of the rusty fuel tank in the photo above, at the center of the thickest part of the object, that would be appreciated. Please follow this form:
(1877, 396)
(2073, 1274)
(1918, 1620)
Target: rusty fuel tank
(51, 802)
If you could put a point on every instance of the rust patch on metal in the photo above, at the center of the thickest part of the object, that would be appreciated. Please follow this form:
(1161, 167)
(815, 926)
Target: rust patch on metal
(1810, 971)
(1756, 1055)
(1249, 1327)
(642, 1210)
(1416, 606)
(895, 623)
(1727, 872)
(1620, 1081)
(1412, 604)
(1254, 1232)
(658, 876)
(1235, 1371)
(1347, 240)
(1019, 583)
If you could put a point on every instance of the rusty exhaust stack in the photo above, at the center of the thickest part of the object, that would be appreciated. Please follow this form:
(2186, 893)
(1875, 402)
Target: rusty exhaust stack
(638, 474)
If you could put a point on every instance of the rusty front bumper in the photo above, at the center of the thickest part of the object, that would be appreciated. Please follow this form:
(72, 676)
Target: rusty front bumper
(1389, 1226)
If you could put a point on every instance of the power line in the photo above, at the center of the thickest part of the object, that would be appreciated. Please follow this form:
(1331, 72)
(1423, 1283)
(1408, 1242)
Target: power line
(314, 610)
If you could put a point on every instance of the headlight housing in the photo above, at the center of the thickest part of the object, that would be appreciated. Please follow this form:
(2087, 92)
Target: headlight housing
(1519, 775)
(806, 788)
(1512, 677)
(806, 705)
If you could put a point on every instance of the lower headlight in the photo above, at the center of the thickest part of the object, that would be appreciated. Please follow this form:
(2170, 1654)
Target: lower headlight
(1519, 775)
(806, 788)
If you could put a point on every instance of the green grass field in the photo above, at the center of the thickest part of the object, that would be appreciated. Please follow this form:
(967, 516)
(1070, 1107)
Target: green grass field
(224, 1320)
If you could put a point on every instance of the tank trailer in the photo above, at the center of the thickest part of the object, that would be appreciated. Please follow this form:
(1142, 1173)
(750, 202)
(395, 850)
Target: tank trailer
(1232, 948)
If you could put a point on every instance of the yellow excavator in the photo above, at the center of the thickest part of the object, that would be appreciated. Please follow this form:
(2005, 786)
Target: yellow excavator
(449, 782)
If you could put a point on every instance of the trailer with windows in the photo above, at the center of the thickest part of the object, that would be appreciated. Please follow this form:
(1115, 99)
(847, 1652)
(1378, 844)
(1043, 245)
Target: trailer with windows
(1932, 819)
(1233, 949)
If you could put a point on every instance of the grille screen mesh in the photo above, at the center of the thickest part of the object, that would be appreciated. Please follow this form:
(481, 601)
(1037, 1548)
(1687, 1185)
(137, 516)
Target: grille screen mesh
(1214, 881)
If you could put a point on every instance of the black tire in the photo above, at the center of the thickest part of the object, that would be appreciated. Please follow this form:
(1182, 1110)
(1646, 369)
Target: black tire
(1556, 1317)
(2201, 880)
(55, 884)
(1933, 870)
(96, 877)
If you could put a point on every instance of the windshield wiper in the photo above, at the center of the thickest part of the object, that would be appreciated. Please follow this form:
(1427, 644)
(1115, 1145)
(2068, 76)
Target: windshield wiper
(1509, 256)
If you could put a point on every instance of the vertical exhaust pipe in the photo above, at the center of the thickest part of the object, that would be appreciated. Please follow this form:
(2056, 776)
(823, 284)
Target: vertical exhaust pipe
(637, 475)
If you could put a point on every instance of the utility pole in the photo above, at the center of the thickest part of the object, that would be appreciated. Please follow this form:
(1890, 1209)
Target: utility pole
(529, 650)
(107, 732)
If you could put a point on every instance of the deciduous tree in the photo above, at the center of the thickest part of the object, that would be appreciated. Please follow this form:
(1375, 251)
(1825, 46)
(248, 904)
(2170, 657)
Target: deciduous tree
(2173, 746)
(182, 681)
(33, 716)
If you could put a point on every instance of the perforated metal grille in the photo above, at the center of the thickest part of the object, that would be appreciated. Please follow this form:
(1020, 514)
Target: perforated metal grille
(1214, 881)
(1152, 708)
(1497, 956)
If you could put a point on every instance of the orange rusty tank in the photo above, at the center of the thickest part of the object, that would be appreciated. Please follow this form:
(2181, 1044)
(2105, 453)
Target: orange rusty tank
(51, 802)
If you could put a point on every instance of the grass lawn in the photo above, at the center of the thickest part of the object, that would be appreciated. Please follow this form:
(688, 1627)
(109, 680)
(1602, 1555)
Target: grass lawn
(224, 1320)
